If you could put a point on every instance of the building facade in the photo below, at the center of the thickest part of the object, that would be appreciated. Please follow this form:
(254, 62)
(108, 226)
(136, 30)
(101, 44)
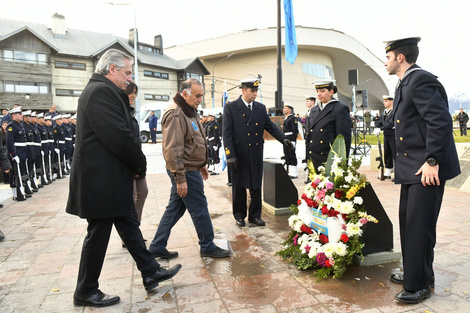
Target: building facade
(41, 66)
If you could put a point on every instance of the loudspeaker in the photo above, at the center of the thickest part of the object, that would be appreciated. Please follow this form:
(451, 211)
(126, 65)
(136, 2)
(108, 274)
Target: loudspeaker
(353, 77)
(278, 188)
(361, 99)
(376, 237)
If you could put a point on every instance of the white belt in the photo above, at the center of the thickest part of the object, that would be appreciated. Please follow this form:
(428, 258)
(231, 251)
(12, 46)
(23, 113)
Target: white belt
(212, 138)
(288, 133)
(50, 140)
(44, 141)
(62, 141)
(36, 144)
(68, 138)
(20, 144)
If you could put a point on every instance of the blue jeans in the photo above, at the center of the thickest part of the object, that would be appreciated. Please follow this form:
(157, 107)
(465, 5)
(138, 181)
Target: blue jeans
(196, 203)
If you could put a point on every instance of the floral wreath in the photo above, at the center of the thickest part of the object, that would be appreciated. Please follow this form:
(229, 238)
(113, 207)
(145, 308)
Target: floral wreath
(328, 219)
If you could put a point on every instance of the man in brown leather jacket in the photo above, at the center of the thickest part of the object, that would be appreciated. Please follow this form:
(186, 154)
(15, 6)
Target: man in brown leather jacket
(185, 152)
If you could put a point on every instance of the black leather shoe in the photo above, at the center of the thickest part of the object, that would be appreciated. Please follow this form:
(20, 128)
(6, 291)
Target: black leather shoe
(257, 221)
(1, 205)
(165, 254)
(160, 275)
(96, 299)
(411, 297)
(241, 222)
(398, 278)
(217, 253)
(308, 181)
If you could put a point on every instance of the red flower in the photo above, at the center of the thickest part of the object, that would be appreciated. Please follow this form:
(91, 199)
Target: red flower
(299, 202)
(315, 204)
(344, 238)
(314, 185)
(327, 263)
(324, 238)
(310, 203)
(304, 196)
(324, 210)
(338, 194)
(333, 213)
(306, 229)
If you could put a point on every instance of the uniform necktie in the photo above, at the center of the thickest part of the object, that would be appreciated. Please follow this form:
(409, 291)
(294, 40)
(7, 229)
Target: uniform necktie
(249, 106)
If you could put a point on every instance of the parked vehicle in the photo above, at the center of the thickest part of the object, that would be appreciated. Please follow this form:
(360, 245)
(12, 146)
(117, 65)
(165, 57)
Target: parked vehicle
(159, 109)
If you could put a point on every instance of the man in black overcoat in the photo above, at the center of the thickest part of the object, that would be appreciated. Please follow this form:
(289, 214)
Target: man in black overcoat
(387, 125)
(244, 122)
(426, 158)
(328, 119)
(290, 127)
(107, 158)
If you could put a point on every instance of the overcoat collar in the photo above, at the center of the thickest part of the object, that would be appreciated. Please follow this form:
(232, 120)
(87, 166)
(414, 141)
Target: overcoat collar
(316, 115)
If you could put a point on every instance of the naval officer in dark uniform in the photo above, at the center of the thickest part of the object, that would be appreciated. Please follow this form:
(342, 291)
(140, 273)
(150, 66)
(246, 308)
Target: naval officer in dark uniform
(426, 158)
(16, 147)
(244, 122)
(214, 143)
(290, 127)
(387, 125)
(328, 119)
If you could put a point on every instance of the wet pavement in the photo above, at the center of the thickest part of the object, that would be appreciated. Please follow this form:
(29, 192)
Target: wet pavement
(40, 255)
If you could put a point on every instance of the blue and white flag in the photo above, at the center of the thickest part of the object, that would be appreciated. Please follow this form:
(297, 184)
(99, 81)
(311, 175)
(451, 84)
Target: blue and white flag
(291, 38)
(225, 98)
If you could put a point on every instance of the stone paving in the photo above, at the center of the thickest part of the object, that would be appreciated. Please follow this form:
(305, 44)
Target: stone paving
(40, 255)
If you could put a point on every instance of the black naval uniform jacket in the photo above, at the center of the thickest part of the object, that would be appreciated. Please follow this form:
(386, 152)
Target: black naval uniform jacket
(243, 138)
(291, 128)
(16, 141)
(323, 128)
(106, 155)
(423, 127)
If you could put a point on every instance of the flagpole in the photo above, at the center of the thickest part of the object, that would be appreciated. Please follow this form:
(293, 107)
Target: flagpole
(279, 62)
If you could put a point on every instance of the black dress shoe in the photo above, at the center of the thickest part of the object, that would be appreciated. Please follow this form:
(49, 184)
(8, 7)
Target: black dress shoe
(165, 254)
(217, 253)
(160, 275)
(96, 299)
(413, 297)
(257, 221)
(398, 278)
(308, 181)
(241, 222)
(1, 205)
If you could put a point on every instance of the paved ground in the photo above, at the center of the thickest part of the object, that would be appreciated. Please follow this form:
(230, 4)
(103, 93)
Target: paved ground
(39, 259)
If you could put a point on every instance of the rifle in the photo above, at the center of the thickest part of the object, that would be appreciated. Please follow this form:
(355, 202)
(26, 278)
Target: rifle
(43, 173)
(381, 162)
(20, 195)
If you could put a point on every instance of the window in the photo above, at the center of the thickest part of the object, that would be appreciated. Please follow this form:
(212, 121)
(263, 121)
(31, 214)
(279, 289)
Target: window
(25, 57)
(26, 87)
(194, 75)
(156, 74)
(70, 65)
(156, 97)
(68, 92)
(318, 70)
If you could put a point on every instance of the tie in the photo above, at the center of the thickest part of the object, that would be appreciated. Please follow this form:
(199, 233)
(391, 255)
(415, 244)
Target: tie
(249, 106)
(320, 106)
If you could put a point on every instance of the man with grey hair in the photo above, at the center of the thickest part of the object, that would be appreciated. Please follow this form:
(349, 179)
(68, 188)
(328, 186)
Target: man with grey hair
(107, 157)
(185, 151)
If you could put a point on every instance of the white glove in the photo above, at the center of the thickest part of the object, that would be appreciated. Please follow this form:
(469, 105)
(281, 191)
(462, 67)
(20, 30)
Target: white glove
(57, 150)
(42, 153)
(16, 159)
(293, 143)
(215, 148)
(376, 131)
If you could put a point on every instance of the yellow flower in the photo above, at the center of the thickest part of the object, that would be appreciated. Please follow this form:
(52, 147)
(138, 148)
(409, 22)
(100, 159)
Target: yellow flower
(351, 192)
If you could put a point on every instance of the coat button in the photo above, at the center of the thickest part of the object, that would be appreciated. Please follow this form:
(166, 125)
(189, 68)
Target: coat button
(321, 141)
(249, 144)
(248, 134)
(401, 138)
(248, 124)
(321, 153)
(311, 130)
(311, 141)
(256, 143)
(256, 134)
(243, 114)
(405, 154)
(310, 152)
(256, 124)
(321, 129)
(398, 121)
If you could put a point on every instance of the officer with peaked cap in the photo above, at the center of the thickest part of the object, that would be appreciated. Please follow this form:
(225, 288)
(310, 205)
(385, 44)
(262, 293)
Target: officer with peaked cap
(244, 123)
(50, 139)
(66, 127)
(31, 151)
(387, 125)
(214, 143)
(309, 103)
(59, 146)
(16, 147)
(426, 158)
(290, 127)
(37, 170)
(328, 119)
(44, 157)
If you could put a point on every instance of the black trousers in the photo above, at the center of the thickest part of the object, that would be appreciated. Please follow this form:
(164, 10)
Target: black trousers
(96, 243)
(418, 213)
(239, 203)
(291, 158)
(390, 150)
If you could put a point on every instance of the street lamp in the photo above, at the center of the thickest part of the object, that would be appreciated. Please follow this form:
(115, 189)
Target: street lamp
(213, 81)
(136, 63)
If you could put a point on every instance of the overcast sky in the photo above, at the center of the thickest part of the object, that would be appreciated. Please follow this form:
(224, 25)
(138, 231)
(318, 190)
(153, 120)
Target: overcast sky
(439, 23)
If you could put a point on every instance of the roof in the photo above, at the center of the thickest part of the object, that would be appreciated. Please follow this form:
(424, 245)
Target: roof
(80, 43)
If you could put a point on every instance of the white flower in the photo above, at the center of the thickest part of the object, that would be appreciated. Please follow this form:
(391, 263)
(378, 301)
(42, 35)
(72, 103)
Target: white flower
(341, 249)
(321, 168)
(345, 207)
(328, 249)
(350, 179)
(315, 248)
(358, 200)
(353, 229)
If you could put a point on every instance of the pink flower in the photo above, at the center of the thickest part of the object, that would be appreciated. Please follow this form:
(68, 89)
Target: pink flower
(363, 221)
(295, 239)
(321, 193)
(307, 248)
(331, 261)
(329, 185)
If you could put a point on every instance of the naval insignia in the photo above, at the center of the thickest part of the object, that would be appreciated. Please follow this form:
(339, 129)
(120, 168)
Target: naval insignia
(10, 129)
